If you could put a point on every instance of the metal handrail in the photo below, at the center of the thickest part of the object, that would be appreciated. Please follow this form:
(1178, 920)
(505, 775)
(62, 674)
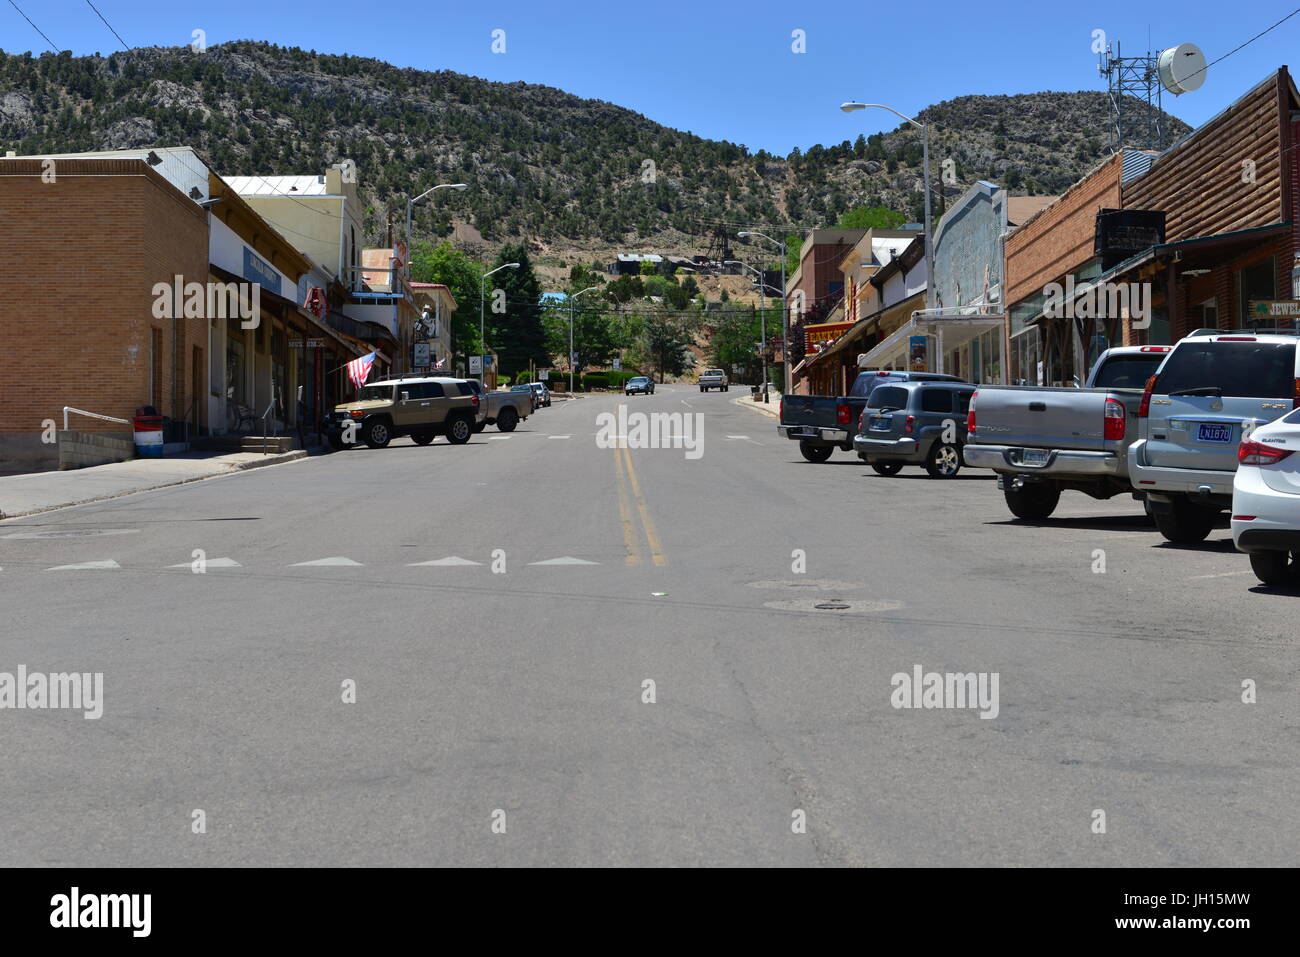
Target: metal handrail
(93, 415)
(270, 405)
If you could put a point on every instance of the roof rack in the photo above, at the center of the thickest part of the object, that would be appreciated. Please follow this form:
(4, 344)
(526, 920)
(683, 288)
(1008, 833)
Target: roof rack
(1249, 332)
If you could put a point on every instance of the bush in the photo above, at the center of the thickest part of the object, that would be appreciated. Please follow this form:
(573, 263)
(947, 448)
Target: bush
(595, 380)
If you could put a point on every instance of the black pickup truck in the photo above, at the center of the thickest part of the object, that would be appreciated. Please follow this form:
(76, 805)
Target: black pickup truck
(823, 423)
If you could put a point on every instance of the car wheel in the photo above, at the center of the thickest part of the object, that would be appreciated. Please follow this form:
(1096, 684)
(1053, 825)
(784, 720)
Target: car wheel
(1276, 568)
(459, 430)
(1034, 501)
(887, 468)
(702, 389)
(422, 438)
(815, 453)
(480, 426)
(378, 435)
(1186, 523)
(336, 443)
(943, 460)
(507, 420)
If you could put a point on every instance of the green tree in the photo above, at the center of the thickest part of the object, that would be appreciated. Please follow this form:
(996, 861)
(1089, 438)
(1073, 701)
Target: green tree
(517, 335)
(871, 217)
(668, 339)
(460, 274)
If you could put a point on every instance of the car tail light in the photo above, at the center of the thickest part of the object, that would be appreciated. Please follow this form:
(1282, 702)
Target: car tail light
(357, 413)
(474, 398)
(1296, 402)
(1114, 427)
(781, 409)
(907, 427)
(1157, 348)
(842, 414)
(1243, 518)
(1145, 406)
(970, 414)
(1251, 452)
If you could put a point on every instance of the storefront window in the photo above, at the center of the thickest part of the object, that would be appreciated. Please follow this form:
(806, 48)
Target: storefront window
(1256, 281)
(235, 369)
(1026, 358)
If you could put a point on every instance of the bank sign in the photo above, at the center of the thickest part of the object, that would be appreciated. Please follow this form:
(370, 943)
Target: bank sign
(826, 332)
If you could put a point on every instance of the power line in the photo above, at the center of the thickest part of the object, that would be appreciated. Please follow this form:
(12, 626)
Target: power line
(109, 25)
(34, 26)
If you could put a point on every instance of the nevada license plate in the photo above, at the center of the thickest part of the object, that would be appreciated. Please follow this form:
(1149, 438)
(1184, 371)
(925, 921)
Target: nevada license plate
(806, 433)
(1213, 432)
(1034, 457)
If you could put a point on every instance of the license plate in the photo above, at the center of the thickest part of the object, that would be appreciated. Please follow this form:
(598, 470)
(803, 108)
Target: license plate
(806, 433)
(1034, 457)
(1210, 432)
(879, 424)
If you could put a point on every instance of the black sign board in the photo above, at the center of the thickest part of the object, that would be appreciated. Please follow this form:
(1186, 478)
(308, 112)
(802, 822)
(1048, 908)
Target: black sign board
(1122, 232)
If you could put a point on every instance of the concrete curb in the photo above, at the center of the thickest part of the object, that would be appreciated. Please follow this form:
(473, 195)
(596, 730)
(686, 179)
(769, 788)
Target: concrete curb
(232, 469)
(770, 409)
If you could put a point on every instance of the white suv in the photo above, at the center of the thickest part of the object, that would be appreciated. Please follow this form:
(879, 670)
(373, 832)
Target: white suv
(1210, 392)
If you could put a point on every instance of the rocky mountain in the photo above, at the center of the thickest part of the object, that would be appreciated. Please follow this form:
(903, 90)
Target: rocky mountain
(565, 172)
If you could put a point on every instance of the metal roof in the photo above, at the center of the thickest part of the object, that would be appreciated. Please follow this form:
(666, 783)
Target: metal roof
(277, 185)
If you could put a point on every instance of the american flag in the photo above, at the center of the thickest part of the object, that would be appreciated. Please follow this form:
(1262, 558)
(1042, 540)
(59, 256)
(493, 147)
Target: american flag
(359, 369)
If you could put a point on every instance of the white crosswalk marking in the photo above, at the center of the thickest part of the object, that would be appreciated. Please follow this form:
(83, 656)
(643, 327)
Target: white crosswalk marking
(84, 565)
(336, 560)
(498, 438)
(211, 563)
(565, 560)
(448, 561)
(559, 436)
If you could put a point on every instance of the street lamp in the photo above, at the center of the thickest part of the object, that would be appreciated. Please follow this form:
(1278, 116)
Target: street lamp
(785, 313)
(571, 298)
(482, 295)
(925, 161)
(762, 315)
(411, 203)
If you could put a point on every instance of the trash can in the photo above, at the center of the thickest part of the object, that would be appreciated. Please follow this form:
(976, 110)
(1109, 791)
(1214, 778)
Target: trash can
(148, 435)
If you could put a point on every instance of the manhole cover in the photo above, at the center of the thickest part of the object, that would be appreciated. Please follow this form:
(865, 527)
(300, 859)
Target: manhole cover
(809, 584)
(835, 606)
(75, 533)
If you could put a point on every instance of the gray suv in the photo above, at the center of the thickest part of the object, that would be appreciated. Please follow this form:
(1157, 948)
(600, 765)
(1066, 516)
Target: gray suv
(1212, 390)
(915, 423)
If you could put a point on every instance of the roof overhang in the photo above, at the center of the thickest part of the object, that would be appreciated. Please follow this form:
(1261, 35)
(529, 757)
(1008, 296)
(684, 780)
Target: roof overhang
(951, 329)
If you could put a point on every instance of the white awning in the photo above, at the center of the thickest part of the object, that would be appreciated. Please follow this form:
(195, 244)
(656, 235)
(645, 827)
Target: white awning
(949, 332)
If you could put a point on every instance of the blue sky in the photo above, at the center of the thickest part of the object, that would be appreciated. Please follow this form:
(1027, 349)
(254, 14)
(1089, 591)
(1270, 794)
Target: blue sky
(725, 70)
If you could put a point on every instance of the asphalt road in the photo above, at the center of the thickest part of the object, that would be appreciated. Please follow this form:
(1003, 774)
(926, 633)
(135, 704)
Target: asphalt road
(518, 687)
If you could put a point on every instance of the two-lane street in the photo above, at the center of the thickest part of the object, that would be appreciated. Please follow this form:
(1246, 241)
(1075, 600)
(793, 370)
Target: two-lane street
(501, 607)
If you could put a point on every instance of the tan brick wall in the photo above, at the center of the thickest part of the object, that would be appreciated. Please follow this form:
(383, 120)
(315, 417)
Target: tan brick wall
(79, 258)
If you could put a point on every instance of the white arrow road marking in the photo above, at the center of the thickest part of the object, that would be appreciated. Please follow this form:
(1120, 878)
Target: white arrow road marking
(565, 560)
(80, 565)
(559, 436)
(211, 563)
(449, 560)
(336, 560)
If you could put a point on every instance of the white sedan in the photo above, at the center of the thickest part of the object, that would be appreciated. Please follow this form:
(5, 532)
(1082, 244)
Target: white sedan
(1266, 500)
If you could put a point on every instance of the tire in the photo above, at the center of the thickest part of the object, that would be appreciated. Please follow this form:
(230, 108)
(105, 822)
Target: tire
(1186, 523)
(702, 389)
(1033, 502)
(1276, 568)
(460, 429)
(378, 435)
(480, 426)
(422, 438)
(726, 388)
(336, 443)
(943, 461)
(507, 420)
(887, 468)
(816, 453)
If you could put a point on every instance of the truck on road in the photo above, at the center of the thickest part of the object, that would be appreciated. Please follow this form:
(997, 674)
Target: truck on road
(1042, 440)
(823, 423)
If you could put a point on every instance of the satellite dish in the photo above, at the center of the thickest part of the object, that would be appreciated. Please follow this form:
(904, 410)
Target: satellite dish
(1181, 68)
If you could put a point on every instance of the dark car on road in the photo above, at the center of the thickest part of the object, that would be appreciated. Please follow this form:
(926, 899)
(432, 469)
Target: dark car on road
(915, 423)
(642, 384)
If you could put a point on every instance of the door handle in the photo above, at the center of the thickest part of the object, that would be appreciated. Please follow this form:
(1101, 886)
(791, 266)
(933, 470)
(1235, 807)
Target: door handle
(1038, 407)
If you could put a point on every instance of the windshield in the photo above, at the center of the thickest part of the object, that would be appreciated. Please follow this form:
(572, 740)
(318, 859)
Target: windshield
(888, 397)
(1128, 371)
(640, 380)
(1247, 370)
(375, 392)
(713, 372)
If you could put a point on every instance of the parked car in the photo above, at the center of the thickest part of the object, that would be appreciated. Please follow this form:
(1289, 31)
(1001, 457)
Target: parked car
(1266, 501)
(915, 423)
(643, 384)
(422, 407)
(714, 379)
(526, 388)
(823, 423)
(1211, 391)
(1044, 440)
(504, 409)
(543, 394)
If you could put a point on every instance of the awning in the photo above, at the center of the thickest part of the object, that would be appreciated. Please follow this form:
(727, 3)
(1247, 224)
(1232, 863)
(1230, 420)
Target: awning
(950, 331)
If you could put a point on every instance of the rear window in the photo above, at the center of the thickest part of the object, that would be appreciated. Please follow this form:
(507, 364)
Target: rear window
(1128, 371)
(936, 400)
(713, 372)
(888, 397)
(867, 381)
(1248, 370)
(963, 401)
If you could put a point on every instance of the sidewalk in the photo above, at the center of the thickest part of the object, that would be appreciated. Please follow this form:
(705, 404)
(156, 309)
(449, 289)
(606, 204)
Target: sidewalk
(41, 491)
(772, 408)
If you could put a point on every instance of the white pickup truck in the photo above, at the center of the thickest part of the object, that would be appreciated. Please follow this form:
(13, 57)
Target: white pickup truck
(714, 379)
(1042, 440)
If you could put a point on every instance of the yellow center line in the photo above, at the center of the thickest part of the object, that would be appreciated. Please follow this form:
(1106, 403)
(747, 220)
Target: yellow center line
(625, 514)
(652, 536)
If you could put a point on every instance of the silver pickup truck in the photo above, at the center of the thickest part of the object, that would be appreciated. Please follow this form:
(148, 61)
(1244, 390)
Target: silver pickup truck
(503, 409)
(1042, 440)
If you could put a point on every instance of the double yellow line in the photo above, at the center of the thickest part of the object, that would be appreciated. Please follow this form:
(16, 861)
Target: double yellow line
(627, 477)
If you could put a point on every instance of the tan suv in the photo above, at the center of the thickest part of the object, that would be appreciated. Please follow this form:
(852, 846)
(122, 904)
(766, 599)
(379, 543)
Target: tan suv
(422, 407)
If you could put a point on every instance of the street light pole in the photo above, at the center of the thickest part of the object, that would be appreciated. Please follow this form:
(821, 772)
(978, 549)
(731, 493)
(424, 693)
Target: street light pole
(762, 317)
(785, 315)
(925, 161)
(571, 298)
(482, 296)
(410, 203)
